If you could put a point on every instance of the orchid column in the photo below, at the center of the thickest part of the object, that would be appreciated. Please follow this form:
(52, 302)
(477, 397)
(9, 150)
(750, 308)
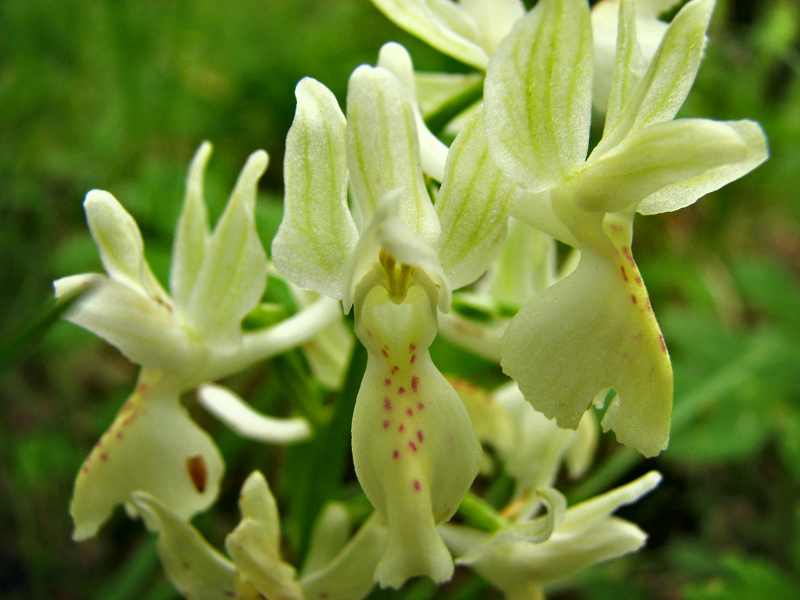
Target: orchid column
(394, 259)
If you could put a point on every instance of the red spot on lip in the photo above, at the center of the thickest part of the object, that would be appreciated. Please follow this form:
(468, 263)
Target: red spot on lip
(638, 280)
(385, 353)
(633, 298)
(401, 390)
(414, 383)
(402, 428)
(387, 381)
(104, 456)
(387, 404)
(649, 306)
(413, 356)
(663, 343)
(419, 435)
(386, 424)
(627, 252)
(417, 485)
(119, 435)
(420, 406)
(413, 446)
(411, 347)
(395, 369)
(624, 274)
(395, 454)
(409, 412)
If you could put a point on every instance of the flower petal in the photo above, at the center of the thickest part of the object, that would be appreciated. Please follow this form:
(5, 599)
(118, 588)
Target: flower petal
(191, 236)
(349, 576)
(317, 234)
(473, 206)
(328, 537)
(441, 24)
(433, 153)
(383, 150)
(234, 273)
(593, 330)
(146, 332)
(494, 18)
(669, 77)
(152, 446)
(196, 569)
(671, 164)
(120, 244)
(628, 65)
(255, 543)
(236, 414)
(414, 450)
(538, 94)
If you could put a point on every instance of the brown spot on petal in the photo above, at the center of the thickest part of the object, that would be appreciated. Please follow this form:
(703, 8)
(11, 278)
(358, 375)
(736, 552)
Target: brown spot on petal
(414, 383)
(663, 343)
(417, 485)
(624, 274)
(633, 298)
(395, 454)
(387, 404)
(401, 390)
(419, 436)
(413, 446)
(198, 472)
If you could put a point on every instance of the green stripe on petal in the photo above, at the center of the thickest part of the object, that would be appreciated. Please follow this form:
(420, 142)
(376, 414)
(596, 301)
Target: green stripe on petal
(234, 273)
(473, 206)
(191, 236)
(317, 234)
(383, 150)
(538, 94)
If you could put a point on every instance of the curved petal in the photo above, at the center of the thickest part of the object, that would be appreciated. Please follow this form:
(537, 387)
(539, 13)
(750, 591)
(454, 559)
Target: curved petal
(152, 446)
(191, 236)
(414, 450)
(383, 150)
(441, 24)
(236, 414)
(494, 18)
(670, 165)
(317, 234)
(329, 536)
(255, 543)
(538, 94)
(473, 206)
(685, 192)
(120, 244)
(233, 275)
(350, 575)
(146, 332)
(433, 153)
(197, 570)
(669, 77)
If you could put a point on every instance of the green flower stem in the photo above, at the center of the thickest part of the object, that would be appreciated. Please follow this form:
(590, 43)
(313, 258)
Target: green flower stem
(478, 513)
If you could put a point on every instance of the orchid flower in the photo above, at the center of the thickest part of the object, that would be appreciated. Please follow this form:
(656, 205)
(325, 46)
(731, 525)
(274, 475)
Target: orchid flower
(336, 568)
(522, 557)
(393, 257)
(180, 341)
(595, 329)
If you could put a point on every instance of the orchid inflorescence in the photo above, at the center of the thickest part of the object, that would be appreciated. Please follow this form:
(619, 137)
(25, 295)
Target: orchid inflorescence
(383, 219)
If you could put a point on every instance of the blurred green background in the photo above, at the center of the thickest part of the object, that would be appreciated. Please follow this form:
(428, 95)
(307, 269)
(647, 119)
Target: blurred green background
(117, 95)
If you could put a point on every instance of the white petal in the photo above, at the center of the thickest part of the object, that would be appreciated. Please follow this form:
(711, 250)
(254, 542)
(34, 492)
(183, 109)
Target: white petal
(191, 236)
(350, 576)
(120, 244)
(383, 150)
(234, 273)
(629, 64)
(433, 153)
(538, 94)
(494, 18)
(236, 414)
(317, 234)
(152, 446)
(146, 332)
(473, 206)
(669, 77)
(672, 163)
(441, 24)
(197, 570)
(328, 537)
